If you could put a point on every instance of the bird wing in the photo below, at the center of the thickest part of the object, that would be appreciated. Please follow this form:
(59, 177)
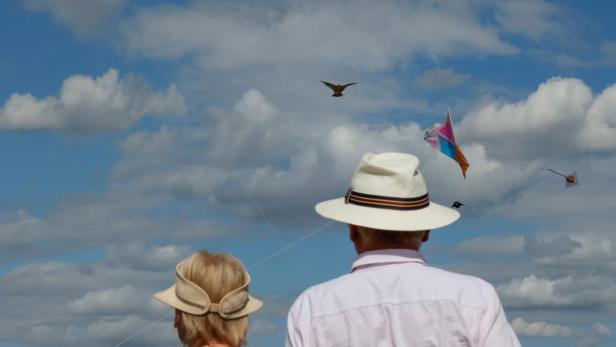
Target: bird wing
(330, 85)
(348, 84)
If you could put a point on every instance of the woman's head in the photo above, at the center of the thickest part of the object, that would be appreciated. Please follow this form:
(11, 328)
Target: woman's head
(203, 280)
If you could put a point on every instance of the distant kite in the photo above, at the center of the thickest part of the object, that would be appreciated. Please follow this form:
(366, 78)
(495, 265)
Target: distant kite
(441, 137)
(457, 204)
(337, 88)
(570, 180)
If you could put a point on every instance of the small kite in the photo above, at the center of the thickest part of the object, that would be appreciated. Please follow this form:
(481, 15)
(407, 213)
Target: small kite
(457, 204)
(337, 88)
(570, 180)
(440, 136)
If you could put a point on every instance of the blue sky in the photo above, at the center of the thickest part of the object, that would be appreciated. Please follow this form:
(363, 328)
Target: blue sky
(135, 132)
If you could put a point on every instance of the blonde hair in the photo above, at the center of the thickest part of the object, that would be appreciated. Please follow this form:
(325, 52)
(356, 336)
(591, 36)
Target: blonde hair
(217, 274)
(373, 238)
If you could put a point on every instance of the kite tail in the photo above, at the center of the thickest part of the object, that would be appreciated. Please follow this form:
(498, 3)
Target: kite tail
(461, 160)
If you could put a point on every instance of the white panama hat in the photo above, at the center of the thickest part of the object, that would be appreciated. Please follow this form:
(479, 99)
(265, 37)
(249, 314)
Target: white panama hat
(388, 192)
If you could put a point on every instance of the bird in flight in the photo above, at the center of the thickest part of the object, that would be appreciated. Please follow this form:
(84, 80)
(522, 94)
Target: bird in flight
(337, 88)
(570, 180)
(457, 204)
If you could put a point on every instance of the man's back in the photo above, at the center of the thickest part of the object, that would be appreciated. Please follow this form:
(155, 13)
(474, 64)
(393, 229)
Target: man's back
(392, 298)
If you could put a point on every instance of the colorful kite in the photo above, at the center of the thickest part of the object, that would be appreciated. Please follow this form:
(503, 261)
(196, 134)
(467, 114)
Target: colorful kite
(570, 180)
(441, 137)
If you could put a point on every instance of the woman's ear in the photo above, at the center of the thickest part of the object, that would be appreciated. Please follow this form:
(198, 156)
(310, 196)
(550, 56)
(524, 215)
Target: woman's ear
(178, 318)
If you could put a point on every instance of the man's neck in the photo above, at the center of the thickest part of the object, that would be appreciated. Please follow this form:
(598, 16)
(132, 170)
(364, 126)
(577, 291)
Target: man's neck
(388, 246)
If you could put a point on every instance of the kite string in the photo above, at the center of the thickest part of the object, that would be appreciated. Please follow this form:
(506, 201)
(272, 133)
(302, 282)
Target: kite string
(556, 172)
(146, 327)
(290, 245)
(285, 247)
(278, 236)
(251, 267)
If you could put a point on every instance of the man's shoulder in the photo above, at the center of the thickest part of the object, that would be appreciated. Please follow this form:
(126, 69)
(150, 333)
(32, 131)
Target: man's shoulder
(305, 302)
(431, 283)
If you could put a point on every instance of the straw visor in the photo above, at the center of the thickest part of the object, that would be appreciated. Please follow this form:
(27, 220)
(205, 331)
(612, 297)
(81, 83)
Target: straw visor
(188, 297)
(388, 192)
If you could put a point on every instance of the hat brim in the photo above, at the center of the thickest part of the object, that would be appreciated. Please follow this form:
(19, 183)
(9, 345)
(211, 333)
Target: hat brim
(169, 297)
(432, 217)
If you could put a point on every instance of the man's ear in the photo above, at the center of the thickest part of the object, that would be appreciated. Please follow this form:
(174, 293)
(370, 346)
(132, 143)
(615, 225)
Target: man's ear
(426, 236)
(353, 232)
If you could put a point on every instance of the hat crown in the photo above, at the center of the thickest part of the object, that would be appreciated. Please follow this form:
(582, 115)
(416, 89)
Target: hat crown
(389, 174)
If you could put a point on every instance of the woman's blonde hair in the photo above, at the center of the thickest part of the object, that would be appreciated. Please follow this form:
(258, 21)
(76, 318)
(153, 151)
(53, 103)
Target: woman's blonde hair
(217, 274)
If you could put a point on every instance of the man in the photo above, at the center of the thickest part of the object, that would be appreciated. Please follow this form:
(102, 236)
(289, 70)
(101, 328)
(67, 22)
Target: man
(391, 297)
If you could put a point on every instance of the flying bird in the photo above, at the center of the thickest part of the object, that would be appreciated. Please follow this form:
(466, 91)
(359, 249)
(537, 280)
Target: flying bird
(457, 204)
(570, 180)
(337, 88)
(440, 136)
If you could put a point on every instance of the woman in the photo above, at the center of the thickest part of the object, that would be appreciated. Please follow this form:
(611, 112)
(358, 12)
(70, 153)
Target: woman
(211, 300)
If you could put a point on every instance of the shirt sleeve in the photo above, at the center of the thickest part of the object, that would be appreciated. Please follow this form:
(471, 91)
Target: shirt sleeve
(495, 330)
(294, 334)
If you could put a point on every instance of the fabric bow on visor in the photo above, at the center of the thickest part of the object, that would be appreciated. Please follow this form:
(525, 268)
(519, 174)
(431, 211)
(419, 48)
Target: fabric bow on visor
(188, 297)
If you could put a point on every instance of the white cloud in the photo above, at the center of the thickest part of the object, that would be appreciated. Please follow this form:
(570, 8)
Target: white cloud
(495, 245)
(120, 300)
(601, 329)
(599, 132)
(224, 39)
(137, 256)
(579, 292)
(540, 126)
(85, 17)
(531, 18)
(608, 49)
(115, 330)
(543, 329)
(588, 341)
(85, 104)
(262, 327)
(254, 107)
(436, 79)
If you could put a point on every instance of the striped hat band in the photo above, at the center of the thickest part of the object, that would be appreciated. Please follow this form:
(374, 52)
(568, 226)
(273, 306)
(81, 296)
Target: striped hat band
(386, 202)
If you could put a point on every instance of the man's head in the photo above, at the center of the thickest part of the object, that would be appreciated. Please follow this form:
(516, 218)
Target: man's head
(369, 239)
(389, 198)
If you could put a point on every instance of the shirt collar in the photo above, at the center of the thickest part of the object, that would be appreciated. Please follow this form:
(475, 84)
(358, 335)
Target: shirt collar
(387, 256)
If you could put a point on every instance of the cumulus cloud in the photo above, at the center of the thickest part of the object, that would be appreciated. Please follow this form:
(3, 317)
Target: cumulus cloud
(120, 300)
(562, 244)
(543, 329)
(565, 292)
(531, 18)
(560, 118)
(85, 17)
(540, 126)
(601, 329)
(262, 327)
(83, 304)
(138, 256)
(289, 36)
(495, 245)
(436, 79)
(86, 104)
(599, 132)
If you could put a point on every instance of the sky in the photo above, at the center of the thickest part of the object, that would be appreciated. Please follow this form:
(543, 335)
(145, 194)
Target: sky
(133, 133)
